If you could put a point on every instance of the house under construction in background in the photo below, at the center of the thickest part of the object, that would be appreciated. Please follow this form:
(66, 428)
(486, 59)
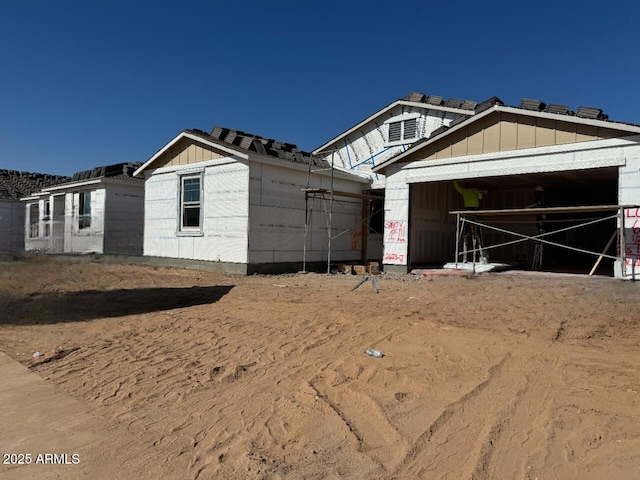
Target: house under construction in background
(380, 191)
(237, 201)
(15, 185)
(96, 211)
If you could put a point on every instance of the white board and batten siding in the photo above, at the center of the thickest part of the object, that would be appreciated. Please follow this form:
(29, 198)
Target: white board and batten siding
(12, 231)
(225, 212)
(277, 217)
(368, 146)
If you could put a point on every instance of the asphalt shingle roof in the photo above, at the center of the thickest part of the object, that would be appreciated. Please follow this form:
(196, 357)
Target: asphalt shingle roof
(117, 170)
(246, 142)
(15, 184)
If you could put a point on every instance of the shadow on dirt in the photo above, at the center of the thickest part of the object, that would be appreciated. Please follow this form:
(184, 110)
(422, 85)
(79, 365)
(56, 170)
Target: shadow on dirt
(54, 307)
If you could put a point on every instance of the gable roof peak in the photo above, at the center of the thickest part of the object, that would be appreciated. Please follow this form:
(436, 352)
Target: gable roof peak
(243, 142)
(436, 100)
(415, 97)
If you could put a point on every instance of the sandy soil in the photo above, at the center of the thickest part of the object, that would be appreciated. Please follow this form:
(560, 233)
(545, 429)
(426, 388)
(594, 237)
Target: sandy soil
(198, 375)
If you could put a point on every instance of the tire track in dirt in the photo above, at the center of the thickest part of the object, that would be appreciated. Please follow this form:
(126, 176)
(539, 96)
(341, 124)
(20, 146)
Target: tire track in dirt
(459, 443)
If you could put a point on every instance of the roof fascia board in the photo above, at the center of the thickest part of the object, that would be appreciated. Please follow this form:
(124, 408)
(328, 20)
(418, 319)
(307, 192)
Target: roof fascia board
(571, 119)
(440, 108)
(531, 152)
(190, 136)
(259, 158)
(137, 182)
(305, 168)
(195, 166)
(41, 194)
(425, 106)
(66, 186)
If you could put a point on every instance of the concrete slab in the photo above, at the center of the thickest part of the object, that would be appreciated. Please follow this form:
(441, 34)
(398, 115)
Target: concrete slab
(47, 435)
(477, 267)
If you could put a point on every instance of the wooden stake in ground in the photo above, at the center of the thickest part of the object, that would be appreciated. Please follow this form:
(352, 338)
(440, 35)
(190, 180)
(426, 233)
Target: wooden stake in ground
(374, 281)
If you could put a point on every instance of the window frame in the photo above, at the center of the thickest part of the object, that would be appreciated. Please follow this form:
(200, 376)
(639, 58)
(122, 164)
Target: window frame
(34, 226)
(401, 122)
(84, 209)
(47, 218)
(183, 229)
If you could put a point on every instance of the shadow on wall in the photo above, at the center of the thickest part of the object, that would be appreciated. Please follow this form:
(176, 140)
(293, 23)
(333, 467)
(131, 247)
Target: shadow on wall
(54, 307)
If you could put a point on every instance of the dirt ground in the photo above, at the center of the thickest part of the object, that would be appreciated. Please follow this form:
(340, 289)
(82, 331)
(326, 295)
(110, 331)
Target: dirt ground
(197, 375)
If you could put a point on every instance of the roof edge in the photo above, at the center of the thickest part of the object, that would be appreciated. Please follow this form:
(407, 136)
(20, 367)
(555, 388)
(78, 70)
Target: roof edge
(425, 106)
(186, 134)
(506, 109)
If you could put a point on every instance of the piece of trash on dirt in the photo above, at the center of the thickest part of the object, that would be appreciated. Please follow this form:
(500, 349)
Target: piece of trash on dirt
(37, 354)
(374, 353)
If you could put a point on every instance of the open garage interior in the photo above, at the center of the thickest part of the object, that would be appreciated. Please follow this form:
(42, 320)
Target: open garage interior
(432, 229)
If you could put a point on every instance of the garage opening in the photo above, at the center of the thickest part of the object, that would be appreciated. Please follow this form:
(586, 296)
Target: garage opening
(432, 229)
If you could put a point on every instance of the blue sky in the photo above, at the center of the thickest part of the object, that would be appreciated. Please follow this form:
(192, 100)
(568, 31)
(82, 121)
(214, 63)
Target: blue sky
(89, 83)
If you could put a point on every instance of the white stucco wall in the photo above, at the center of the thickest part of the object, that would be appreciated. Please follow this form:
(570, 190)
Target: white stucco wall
(56, 222)
(90, 239)
(396, 217)
(622, 153)
(629, 194)
(225, 213)
(39, 243)
(277, 217)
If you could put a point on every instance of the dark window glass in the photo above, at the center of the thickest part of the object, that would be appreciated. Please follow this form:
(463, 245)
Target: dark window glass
(190, 202)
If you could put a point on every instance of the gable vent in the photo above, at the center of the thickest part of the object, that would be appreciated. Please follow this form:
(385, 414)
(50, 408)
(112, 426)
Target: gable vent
(410, 129)
(394, 131)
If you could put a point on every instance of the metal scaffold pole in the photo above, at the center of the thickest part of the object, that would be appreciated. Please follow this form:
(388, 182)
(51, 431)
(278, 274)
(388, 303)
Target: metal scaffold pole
(330, 194)
(330, 219)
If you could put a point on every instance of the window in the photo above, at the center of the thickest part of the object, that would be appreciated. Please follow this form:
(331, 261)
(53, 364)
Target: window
(47, 218)
(84, 210)
(190, 202)
(403, 129)
(34, 220)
